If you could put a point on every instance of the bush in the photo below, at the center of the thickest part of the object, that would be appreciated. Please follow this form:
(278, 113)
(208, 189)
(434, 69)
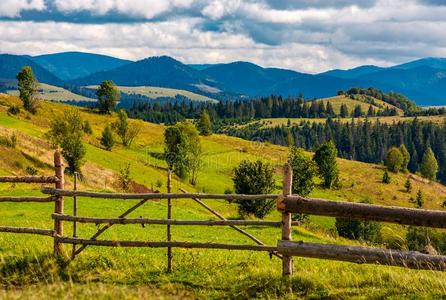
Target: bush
(386, 177)
(107, 139)
(87, 128)
(30, 170)
(124, 178)
(14, 110)
(254, 178)
(359, 230)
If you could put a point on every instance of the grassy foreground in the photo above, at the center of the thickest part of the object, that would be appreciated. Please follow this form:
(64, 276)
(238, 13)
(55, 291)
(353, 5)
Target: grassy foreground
(27, 269)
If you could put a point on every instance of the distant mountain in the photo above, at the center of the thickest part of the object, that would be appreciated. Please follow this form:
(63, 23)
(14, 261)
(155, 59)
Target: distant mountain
(247, 78)
(72, 65)
(10, 65)
(435, 63)
(200, 67)
(352, 73)
(160, 71)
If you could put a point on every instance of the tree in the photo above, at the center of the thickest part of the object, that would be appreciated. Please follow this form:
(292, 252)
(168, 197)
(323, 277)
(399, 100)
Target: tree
(183, 150)
(126, 132)
(253, 178)
(325, 158)
(394, 159)
(406, 157)
(205, 125)
(87, 128)
(371, 111)
(28, 87)
(66, 132)
(386, 177)
(357, 112)
(107, 139)
(330, 110)
(108, 95)
(419, 201)
(344, 113)
(408, 186)
(429, 165)
(304, 171)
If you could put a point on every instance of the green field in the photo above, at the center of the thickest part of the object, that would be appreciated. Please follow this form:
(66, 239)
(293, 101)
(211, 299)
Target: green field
(28, 271)
(158, 92)
(54, 93)
(360, 100)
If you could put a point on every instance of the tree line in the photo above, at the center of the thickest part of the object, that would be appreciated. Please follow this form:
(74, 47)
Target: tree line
(359, 140)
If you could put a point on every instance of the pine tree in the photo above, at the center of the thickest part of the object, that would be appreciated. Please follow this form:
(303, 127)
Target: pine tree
(371, 111)
(408, 186)
(429, 165)
(344, 111)
(107, 139)
(386, 177)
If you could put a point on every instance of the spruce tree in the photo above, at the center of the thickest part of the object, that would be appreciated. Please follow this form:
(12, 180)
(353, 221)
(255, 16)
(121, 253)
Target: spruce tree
(344, 111)
(429, 165)
(107, 139)
(204, 124)
(304, 171)
(408, 186)
(325, 158)
(419, 201)
(386, 177)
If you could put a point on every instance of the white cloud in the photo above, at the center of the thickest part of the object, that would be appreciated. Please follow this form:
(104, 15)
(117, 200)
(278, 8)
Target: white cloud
(13, 8)
(139, 8)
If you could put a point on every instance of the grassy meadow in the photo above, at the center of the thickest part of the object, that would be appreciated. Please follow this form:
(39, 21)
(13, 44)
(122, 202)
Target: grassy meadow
(154, 92)
(27, 269)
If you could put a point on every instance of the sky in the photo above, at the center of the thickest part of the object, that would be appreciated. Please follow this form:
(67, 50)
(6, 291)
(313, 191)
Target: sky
(304, 35)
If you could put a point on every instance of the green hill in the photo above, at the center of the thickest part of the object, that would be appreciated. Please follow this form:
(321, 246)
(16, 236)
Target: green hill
(55, 93)
(108, 272)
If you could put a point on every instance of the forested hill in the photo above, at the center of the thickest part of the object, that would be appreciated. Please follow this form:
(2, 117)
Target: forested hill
(357, 140)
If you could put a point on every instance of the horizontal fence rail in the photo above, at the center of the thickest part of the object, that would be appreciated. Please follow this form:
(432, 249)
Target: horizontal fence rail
(150, 244)
(26, 199)
(364, 255)
(27, 230)
(29, 179)
(164, 221)
(229, 197)
(370, 212)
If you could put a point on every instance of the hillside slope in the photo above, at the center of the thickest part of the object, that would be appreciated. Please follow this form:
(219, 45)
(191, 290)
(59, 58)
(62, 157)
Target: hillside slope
(113, 272)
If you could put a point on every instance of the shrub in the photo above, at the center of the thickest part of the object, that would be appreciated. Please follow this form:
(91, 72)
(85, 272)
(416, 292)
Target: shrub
(386, 177)
(9, 141)
(14, 110)
(419, 201)
(87, 128)
(30, 170)
(124, 178)
(359, 230)
(254, 178)
(124, 129)
(408, 186)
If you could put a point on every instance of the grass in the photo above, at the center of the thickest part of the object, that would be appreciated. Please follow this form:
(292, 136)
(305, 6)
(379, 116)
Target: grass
(54, 93)
(28, 271)
(154, 92)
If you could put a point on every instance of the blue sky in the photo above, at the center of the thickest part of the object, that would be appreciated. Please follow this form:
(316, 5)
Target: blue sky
(305, 35)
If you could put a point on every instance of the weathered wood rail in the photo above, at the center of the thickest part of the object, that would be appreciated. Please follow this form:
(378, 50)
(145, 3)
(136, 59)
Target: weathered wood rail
(287, 204)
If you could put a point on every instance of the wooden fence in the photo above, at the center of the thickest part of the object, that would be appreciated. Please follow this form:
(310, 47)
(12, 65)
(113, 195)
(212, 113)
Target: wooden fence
(287, 204)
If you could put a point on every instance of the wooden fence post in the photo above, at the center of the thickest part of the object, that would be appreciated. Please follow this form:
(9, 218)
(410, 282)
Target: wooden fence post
(287, 261)
(59, 202)
(169, 216)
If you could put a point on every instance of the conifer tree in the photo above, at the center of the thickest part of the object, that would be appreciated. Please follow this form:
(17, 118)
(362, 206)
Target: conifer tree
(406, 157)
(205, 125)
(344, 111)
(429, 165)
(408, 186)
(419, 201)
(107, 139)
(386, 177)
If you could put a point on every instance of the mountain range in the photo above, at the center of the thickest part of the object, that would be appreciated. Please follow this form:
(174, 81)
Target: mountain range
(423, 80)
